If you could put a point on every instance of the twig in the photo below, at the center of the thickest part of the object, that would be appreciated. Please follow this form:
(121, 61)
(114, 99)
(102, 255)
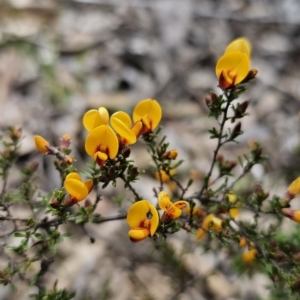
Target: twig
(137, 196)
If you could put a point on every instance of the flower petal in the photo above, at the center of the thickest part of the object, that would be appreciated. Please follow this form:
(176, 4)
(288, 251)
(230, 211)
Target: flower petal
(73, 175)
(294, 187)
(174, 212)
(76, 189)
(121, 128)
(149, 108)
(123, 117)
(94, 118)
(234, 66)
(181, 204)
(239, 45)
(138, 234)
(89, 184)
(137, 128)
(164, 201)
(41, 143)
(200, 233)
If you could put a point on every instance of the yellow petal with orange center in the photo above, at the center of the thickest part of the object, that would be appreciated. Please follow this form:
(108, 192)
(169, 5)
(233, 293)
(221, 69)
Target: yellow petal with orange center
(76, 189)
(94, 118)
(102, 136)
(149, 109)
(121, 125)
(41, 143)
(234, 66)
(239, 45)
(143, 213)
(138, 234)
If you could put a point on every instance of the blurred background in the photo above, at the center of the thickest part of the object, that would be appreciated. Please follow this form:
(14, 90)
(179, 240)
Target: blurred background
(60, 58)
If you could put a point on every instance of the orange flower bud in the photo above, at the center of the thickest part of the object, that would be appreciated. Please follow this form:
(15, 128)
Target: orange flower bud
(294, 187)
(251, 75)
(292, 214)
(41, 144)
(250, 255)
(243, 242)
(172, 154)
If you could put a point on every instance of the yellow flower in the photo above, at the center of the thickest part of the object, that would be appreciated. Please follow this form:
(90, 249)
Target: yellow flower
(76, 187)
(212, 222)
(294, 188)
(234, 212)
(102, 143)
(41, 143)
(149, 112)
(94, 118)
(143, 220)
(172, 210)
(239, 45)
(163, 176)
(232, 68)
(250, 255)
(121, 123)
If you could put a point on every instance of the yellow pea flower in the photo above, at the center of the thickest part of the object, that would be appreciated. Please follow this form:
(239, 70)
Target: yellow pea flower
(172, 210)
(41, 143)
(94, 118)
(163, 176)
(143, 220)
(149, 112)
(241, 45)
(122, 124)
(102, 144)
(232, 68)
(76, 187)
(210, 222)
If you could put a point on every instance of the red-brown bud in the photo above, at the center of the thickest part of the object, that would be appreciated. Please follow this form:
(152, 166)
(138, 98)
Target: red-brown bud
(54, 203)
(236, 131)
(241, 109)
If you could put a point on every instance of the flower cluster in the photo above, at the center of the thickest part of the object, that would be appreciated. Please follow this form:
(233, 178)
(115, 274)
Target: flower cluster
(103, 142)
